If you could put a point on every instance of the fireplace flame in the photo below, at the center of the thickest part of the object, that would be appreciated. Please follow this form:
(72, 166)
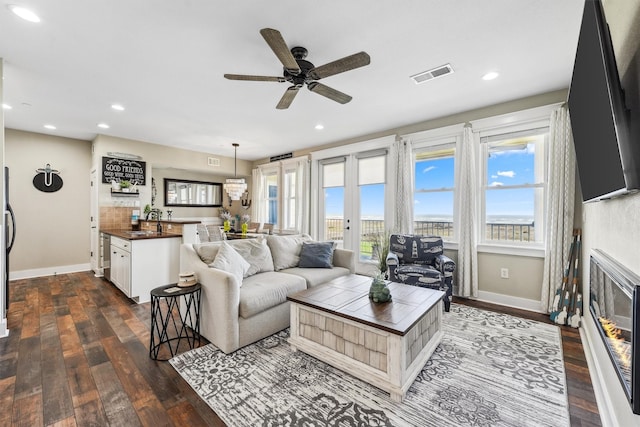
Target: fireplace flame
(617, 342)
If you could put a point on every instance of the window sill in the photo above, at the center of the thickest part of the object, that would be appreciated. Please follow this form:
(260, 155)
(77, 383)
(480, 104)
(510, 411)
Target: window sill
(504, 249)
(531, 251)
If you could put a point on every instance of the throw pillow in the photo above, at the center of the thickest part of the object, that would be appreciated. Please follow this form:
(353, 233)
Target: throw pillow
(230, 261)
(285, 250)
(256, 253)
(207, 251)
(316, 255)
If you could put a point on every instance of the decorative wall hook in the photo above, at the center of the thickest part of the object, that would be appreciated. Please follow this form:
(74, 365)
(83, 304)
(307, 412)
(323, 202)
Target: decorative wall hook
(47, 179)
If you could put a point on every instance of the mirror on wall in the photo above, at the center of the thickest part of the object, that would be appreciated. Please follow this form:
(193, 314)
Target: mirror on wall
(187, 193)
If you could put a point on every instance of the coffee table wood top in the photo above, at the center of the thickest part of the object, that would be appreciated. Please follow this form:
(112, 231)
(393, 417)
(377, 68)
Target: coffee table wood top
(348, 297)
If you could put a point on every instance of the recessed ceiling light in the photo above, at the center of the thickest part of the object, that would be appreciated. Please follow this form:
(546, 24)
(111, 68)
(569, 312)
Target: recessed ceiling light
(117, 107)
(490, 75)
(319, 126)
(103, 125)
(24, 13)
(52, 127)
(7, 106)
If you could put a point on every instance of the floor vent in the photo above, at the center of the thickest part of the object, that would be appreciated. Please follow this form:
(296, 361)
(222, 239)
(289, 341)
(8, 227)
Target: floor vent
(212, 161)
(443, 70)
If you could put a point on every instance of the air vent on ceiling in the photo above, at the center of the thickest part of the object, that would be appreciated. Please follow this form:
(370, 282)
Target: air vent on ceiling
(212, 161)
(443, 70)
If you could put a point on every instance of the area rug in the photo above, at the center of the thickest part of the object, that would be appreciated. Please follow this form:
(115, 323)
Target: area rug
(491, 369)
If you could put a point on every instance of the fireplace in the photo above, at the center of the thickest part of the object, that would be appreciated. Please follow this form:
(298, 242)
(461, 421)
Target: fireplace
(614, 304)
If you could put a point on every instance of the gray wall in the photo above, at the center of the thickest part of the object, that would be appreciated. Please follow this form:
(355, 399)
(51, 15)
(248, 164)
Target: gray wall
(52, 228)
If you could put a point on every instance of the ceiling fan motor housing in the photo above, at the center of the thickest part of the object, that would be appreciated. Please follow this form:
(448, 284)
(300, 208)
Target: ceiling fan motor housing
(299, 53)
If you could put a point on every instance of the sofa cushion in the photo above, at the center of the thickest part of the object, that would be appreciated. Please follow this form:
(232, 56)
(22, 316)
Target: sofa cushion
(229, 260)
(414, 274)
(207, 251)
(316, 276)
(316, 255)
(285, 250)
(263, 291)
(256, 253)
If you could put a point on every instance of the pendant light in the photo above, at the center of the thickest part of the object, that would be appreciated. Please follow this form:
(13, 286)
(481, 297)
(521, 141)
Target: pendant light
(235, 187)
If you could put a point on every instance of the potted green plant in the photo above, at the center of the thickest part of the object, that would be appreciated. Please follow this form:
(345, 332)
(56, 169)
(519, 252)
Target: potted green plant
(381, 250)
(124, 185)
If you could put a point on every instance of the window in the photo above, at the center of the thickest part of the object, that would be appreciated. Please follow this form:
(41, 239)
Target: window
(333, 192)
(434, 175)
(513, 187)
(372, 172)
(280, 196)
(289, 211)
(271, 186)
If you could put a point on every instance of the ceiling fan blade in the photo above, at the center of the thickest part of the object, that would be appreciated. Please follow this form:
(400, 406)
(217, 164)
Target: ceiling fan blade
(277, 44)
(340, 66)
(287, 98)
(254, 78)
(330, 93)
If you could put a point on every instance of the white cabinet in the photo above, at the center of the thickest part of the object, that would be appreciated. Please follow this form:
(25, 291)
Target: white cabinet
(138, 266)
(121, 264)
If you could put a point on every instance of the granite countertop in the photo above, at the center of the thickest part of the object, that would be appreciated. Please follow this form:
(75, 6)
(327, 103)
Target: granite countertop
(173, 221)
(139, 235)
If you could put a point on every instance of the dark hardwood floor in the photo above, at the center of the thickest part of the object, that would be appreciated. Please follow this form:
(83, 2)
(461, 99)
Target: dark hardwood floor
(78, 355)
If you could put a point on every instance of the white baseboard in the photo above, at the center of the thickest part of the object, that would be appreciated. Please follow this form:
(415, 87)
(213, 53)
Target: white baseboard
(510, 301)
(48, 271)
(607, 418)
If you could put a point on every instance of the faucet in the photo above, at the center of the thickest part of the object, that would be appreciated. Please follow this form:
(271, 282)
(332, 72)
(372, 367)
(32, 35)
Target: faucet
(157, 213)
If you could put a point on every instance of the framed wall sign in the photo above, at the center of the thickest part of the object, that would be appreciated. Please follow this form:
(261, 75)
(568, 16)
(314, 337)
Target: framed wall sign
(114, 169)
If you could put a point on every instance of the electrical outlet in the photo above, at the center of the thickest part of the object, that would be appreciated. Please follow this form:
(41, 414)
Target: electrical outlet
(169, 227)
(504, 273)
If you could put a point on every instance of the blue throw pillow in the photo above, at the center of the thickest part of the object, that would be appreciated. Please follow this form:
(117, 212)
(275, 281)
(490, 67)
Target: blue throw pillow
(316, 255)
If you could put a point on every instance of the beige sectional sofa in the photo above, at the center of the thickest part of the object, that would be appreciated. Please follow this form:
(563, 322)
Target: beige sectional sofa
(245, 302)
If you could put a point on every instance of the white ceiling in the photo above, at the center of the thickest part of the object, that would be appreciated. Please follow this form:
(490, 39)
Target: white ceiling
(164, 61)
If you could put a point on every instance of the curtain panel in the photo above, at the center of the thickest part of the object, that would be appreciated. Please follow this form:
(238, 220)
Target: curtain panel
(559, 203)
(468, 187)
(258, 205)
(403, 221)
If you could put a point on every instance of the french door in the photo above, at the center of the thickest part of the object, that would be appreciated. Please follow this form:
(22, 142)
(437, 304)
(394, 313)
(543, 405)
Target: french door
(351, 209)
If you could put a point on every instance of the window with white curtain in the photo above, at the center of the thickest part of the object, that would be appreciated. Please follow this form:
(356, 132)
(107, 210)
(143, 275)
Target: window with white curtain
(282, 197)
(434, 190)
(513, 180)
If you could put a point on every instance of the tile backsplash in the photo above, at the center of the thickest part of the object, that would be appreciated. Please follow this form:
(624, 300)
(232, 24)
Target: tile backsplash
(115, 218)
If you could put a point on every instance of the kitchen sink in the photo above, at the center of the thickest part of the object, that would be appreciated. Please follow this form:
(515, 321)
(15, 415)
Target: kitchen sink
(139, 233)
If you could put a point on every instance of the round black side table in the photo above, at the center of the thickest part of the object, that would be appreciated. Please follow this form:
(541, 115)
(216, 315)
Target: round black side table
(176, 320)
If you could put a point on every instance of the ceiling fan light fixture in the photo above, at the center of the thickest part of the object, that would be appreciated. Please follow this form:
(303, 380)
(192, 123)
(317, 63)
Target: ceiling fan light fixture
(235, 187)
(24, 13)
(490, 75)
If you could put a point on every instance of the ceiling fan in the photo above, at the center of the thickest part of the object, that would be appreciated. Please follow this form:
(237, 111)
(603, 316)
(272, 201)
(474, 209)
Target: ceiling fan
(299, 71)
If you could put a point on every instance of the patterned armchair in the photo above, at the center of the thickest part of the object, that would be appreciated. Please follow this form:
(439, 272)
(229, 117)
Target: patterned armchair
(419, 261)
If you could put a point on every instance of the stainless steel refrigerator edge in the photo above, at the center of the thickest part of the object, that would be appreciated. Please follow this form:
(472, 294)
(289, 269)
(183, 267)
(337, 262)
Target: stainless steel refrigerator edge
(10, 235)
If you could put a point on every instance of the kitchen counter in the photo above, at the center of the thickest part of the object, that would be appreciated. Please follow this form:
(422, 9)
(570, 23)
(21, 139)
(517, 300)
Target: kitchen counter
(139, 235)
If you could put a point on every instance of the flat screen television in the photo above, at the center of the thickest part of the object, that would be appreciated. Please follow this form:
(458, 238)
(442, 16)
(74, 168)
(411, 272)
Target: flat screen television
(605, 129)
